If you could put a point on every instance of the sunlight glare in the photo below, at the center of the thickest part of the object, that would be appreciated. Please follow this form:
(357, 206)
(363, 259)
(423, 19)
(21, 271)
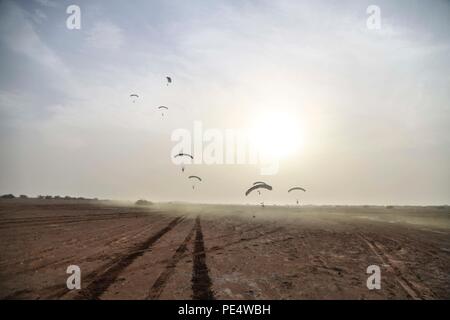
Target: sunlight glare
(276, 135)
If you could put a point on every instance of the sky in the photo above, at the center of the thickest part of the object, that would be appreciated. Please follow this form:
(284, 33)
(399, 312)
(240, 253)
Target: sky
(355, 115)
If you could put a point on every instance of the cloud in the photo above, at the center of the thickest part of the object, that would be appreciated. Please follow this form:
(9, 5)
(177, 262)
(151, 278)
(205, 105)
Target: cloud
(355, 89)
(105, 35)
(18, 34)
(47, 3)
(39, 16)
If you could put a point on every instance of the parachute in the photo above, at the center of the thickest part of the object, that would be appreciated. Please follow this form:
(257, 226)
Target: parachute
(134, 96)
(163, 108)
(169, 80)
(181, 154)
(296, 188)
(195, 177)
(258, 186)
(258, 182)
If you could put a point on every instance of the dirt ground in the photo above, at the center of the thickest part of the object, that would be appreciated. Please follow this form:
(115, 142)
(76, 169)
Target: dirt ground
(181, 251)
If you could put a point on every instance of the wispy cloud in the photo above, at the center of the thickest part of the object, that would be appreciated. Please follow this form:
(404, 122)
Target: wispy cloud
(47, 3)
(105, 35)
(18, 34)
(39, 16)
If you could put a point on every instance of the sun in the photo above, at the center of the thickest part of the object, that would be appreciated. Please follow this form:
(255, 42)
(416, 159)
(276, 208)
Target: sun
(276, 134)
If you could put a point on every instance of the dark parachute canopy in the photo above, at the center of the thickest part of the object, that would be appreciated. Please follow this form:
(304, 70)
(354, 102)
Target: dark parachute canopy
(169, 80)
(134, 96)
(162, 108)
(195, 178)
(181, 154)
(296, 188)
(258, 186)
(258, 182)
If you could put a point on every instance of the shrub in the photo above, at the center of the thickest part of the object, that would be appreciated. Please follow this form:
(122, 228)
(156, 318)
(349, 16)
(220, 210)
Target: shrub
(142, 202)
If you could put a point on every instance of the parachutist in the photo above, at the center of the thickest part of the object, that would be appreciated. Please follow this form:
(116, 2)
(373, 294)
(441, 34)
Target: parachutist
(195, 177)
(296, 188)
(134, 95)
(163, 107)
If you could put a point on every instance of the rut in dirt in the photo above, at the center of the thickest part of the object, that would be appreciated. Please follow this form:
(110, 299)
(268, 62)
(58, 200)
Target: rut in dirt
(412, 289)
(44, 221)
(158, 286)
(201, 282)
(108, 274)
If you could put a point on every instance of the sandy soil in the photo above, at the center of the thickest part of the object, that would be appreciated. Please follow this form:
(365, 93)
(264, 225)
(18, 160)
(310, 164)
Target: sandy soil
(178, 251)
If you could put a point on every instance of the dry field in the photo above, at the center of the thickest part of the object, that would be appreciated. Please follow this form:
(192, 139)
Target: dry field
(181, 251)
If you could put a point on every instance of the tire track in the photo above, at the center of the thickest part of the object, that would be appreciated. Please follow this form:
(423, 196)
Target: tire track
(201, 282)
(159, 284)
(96, 254)
(61, 217)
(104, 276)
(68, 244)
(410, 289)
(410, 277)
(67, 220)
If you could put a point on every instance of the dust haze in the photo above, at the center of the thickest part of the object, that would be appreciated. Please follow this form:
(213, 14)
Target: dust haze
(103, 170)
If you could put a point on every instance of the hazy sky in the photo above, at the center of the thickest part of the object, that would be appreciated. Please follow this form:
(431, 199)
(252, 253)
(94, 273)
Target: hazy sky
(371, 107)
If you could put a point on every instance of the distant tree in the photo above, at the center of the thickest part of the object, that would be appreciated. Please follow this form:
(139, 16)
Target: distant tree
(48, 197)
(22, 196)
(142, 202)
(7, 196)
